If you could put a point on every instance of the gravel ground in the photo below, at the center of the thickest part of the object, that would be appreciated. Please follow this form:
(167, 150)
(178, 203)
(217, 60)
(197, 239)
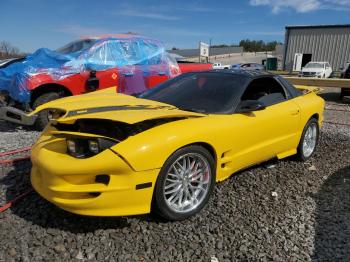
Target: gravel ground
(281, 211)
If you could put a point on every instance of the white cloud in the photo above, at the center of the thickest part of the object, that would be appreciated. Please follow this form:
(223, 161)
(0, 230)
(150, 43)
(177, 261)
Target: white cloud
(302, 6)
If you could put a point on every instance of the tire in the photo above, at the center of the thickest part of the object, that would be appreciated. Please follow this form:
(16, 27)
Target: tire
(43, 119)
(172, 179)
(308, 141)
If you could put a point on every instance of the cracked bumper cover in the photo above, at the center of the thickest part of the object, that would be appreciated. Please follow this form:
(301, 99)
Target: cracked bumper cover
(70, 183)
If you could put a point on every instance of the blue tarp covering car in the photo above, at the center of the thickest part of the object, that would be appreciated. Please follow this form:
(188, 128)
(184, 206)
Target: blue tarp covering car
(89, 54)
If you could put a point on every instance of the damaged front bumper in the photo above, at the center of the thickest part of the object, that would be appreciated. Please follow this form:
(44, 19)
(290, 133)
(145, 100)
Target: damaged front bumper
(15, 115)
(73, 184)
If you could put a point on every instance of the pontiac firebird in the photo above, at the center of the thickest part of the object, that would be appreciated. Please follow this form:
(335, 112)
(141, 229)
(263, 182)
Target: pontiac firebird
(109, 154)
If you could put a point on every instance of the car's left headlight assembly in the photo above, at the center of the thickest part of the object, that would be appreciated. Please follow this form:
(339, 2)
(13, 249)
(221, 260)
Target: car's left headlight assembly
(87, 147)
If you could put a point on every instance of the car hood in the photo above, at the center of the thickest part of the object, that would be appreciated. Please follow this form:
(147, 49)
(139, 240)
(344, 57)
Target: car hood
(109, 105)
(312, 70)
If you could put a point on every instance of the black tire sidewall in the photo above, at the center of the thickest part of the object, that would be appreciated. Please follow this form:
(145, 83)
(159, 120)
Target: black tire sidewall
(159, 204)
(301, 154)
(42, 119)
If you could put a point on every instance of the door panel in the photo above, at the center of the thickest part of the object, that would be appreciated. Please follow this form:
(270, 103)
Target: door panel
(262, 135)
(107, 78)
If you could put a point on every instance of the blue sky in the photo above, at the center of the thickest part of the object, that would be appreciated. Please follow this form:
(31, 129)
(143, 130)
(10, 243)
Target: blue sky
(52, 23)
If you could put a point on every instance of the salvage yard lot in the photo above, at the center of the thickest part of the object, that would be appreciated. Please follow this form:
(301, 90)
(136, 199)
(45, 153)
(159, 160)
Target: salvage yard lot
(284, 210)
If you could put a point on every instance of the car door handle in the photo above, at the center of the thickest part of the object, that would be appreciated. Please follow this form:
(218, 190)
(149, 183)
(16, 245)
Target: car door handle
(294, 112)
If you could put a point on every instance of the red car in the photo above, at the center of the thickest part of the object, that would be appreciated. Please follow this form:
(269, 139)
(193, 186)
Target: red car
(132, 63)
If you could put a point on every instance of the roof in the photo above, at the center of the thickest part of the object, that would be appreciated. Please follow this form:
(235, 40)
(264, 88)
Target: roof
(316, 26)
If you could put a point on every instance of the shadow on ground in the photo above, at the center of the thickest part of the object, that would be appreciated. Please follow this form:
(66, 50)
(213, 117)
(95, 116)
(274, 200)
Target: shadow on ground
(332, 97)
(332, 220)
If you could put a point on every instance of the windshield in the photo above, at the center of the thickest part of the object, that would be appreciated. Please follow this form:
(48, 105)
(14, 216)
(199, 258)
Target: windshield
(314, 65)
(206, 92)
(76, 46)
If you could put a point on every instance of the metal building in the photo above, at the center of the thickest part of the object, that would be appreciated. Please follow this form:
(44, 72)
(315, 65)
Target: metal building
(326, 43)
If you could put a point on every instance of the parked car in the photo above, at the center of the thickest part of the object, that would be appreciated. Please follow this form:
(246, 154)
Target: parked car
(248, 66)
(109, 154)
(316, 69)
(132, 63)
(220, 66)
(345, 73)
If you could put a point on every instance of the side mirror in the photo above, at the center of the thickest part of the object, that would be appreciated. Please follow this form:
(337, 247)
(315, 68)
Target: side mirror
(250, 106)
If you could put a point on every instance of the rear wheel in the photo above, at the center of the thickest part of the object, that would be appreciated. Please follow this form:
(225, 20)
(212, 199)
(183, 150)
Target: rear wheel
(308, 141)
(43, 116)
(185, 183)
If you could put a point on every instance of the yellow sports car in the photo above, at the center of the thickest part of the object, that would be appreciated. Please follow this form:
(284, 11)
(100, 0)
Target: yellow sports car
(109, 154)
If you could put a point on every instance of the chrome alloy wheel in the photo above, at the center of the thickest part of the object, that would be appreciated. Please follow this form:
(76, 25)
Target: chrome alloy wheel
(310, 139)
(187, 182)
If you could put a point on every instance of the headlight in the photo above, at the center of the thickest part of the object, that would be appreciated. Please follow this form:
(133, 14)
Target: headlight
(93, 147)
(87, 147)
(71, 147)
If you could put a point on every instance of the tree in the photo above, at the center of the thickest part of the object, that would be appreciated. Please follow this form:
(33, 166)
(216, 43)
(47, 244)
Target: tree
(258, 45)
(9, 51)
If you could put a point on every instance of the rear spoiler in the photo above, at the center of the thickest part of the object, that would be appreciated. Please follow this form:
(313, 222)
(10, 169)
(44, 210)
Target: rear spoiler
(309, 89)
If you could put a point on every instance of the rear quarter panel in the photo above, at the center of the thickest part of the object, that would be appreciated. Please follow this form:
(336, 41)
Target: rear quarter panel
(310, 104)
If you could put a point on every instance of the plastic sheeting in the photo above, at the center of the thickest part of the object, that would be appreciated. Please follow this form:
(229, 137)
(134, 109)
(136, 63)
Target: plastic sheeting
(134, 56)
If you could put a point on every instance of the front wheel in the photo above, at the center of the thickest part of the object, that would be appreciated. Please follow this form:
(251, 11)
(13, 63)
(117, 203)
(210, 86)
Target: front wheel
(43, 116)
(308, 141)
(185, 183)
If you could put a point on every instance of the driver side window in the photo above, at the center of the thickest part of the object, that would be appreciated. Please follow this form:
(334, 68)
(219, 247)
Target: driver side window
(266, 90)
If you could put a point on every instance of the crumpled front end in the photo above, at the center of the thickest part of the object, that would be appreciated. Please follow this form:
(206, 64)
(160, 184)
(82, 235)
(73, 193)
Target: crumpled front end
(103, 184)
(76, 163)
